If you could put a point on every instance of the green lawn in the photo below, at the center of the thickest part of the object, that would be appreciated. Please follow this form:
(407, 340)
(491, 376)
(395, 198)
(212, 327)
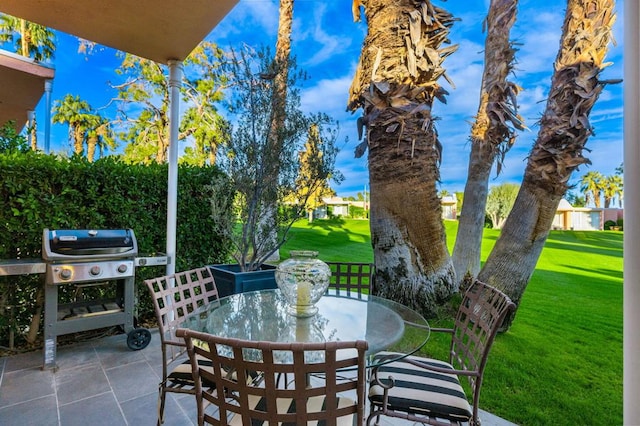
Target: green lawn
(561, 361)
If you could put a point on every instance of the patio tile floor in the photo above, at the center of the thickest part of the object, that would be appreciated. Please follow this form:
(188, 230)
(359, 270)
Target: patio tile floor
(101, 382)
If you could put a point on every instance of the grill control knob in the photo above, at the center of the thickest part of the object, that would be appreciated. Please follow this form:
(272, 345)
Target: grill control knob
(122, 268)
(65, 274)
(95, 270)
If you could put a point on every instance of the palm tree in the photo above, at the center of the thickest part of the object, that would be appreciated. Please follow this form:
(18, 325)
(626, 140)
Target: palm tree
(492, 134)
(29, 39)
(98, 134)
(279, 99)
(591, 186)
(557, 152)
(611, 187)
(396, 92)
(74, 112)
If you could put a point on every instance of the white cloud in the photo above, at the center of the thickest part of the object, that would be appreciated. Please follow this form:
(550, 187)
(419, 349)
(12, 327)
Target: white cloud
(329, 40)
(249, 21)
(329, 96)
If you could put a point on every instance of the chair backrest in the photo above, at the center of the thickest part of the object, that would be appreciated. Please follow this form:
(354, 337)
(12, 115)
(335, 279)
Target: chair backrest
(175, 297)
(351, 277)
(305, 399)
(481, 313)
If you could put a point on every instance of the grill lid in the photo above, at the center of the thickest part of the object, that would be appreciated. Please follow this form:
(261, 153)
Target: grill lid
(90, 243)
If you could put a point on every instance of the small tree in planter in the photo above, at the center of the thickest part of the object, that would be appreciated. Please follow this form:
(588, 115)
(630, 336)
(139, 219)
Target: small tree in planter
(263, 163)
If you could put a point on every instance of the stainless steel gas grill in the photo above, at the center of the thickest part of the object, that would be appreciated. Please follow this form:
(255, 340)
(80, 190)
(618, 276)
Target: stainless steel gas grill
(87, 258)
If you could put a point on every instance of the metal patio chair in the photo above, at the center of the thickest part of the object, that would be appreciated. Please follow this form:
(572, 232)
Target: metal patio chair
(305, 401)
(174, 298)
(429, 391)
(351, 277)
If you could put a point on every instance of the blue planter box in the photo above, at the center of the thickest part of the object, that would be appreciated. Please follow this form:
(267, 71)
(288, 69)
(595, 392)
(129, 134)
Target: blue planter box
(231, 280)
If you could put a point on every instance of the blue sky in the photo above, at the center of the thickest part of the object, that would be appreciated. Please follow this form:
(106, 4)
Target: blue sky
(327, 44)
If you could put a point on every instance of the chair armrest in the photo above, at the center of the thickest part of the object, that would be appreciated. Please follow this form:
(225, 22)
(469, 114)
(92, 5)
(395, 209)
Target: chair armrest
(390, 381)
(426, 366)
(175, 343)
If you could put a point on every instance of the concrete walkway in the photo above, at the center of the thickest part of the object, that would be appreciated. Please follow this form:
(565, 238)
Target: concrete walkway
(101, 382)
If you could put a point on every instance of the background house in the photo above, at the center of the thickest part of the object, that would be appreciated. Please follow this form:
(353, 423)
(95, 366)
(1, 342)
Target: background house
(583, 218)
(338, 206)
(449, 207)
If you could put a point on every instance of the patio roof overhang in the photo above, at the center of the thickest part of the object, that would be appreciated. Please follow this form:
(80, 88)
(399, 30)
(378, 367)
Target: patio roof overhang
(23, 84)
(160, 30)
(165, 31)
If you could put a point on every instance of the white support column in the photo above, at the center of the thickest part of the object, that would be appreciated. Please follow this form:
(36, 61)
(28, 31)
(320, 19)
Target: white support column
(48, 88)
(631, 336)
(31, 117)
(175, 82)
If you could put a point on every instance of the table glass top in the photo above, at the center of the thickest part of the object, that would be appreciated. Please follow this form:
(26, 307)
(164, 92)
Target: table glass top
(262, 315)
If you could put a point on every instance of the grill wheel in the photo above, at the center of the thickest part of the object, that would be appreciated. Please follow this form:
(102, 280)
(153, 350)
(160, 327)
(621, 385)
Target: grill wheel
(138, 338)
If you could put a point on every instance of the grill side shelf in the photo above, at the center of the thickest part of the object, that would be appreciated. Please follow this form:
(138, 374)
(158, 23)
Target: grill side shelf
(22, 267)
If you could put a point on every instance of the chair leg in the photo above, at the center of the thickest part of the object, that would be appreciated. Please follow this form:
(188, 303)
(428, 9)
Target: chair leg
(373, 416)
(161, 399)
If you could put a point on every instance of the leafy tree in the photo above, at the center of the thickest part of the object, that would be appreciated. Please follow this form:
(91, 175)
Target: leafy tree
(575, 200)
(309, 186)
(203, 90)
(396, 93)
(29, 39)
(144, 107)
(459, 200)
(10, 140)
(500, 201)
(592, 187)
(262, 176)
(492, 135)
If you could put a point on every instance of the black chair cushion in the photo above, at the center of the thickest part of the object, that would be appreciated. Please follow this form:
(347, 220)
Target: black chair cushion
(421, 391)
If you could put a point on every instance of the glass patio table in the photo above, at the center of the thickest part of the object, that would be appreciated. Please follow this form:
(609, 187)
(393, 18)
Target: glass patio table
(262, 316)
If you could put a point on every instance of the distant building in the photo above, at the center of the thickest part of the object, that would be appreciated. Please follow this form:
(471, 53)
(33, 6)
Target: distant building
(340, 207)
(449, 207)
(583, 218)
(337, 205)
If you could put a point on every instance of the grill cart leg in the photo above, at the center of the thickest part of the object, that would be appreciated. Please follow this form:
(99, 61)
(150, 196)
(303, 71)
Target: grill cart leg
(50, 333)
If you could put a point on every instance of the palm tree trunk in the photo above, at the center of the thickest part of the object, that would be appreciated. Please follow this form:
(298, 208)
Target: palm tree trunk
(78, 139)
(396, 92)
(491, 135)
(34, 134)
(24, 38)
(410, 252)
(92, 141)
(557, 152)
(283, 53)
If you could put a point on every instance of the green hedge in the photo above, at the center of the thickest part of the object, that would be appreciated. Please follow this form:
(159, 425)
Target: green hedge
(44, 191)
